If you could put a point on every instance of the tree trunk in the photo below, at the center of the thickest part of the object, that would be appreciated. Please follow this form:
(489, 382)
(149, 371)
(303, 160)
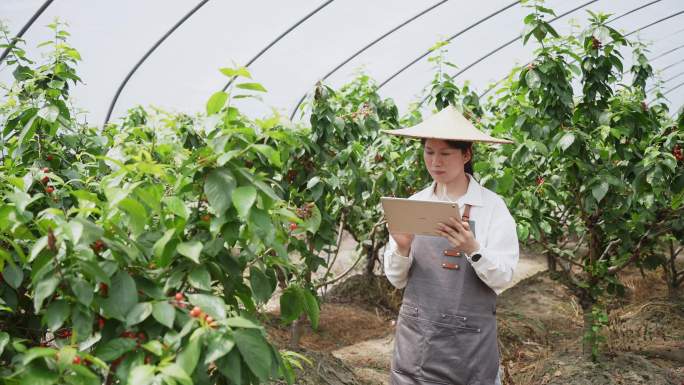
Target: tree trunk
(587, 343)
(370, 260)
(551, 262)
(297, 331)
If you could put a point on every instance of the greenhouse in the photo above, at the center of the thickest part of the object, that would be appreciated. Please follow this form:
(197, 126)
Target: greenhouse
(342, 192)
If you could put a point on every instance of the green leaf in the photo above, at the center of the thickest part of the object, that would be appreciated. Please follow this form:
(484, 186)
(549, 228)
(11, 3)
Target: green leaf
(82, 319)
(270, 153)
(291, 305)
(4, 340)
(38, 352)
(187, 359)
(44, 289)
(240, 322)
(311, 308)
(57, 312)
(532, 79)
(83, 291)
(138, 313)
(191, 249)
(599, 191)
(177, 373)
(141, 375)
(243, 199)
(255, 350)
(262, 288)
(155, 347)
(216, 102)
(210, 304)
(251, 86)
(566, 141)
(115, 348)
(164, 313)
(218, 346)
(49, 113)
(13, 275)
(199, 278)
(176, 206)
(38, 375)
(231, 367)
(240, 71)
(137, 214)
(219, 188)
(123, 295)
(164, 248)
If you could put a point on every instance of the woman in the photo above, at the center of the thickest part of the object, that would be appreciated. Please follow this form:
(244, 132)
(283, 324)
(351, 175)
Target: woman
(446, 331)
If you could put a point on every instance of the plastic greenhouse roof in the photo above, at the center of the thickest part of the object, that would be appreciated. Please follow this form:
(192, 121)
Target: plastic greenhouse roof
(172, 49)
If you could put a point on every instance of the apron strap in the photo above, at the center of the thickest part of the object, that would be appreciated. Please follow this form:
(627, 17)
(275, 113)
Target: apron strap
(453, 252)
(466, 213)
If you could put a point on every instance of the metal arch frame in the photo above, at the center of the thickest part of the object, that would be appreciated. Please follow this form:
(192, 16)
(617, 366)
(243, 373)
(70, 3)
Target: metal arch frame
(147, 54)
(664, 82)
(367, 46)
(25, 28)
(608, 22)
(492, 52)
(655, 22)
(282, 35)
(672, 65)
(667, 52)
(673, 88)
(459, 33)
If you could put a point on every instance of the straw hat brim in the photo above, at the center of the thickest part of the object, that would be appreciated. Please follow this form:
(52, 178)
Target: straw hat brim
(447, 124)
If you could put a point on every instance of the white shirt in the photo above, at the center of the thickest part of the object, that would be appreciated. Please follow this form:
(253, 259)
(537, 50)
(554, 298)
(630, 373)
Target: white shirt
(495, 231)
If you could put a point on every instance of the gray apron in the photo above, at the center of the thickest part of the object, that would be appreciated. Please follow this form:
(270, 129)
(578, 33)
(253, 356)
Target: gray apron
(446, 331)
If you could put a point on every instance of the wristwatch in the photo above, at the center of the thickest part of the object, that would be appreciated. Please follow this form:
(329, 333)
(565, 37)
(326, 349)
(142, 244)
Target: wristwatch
(474, 257)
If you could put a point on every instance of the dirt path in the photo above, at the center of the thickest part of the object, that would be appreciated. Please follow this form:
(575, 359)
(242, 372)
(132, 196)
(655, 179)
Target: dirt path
(371, 359)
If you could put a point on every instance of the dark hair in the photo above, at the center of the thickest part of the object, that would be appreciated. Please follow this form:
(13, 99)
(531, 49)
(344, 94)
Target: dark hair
(463, 146)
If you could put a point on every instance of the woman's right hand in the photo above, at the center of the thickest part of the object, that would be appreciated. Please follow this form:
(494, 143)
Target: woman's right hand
(403, 242)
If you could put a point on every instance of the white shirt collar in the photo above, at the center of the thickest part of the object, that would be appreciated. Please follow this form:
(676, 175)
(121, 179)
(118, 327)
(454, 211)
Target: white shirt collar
(473, 195)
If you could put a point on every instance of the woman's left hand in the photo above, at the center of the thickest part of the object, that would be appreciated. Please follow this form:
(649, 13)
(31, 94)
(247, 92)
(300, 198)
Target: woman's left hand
(459, 235)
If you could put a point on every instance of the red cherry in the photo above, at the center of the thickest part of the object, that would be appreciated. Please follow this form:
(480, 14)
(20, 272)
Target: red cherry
(195, 312)
(77, 360)
(293, 226)
(179, 296)
(101, 323)
(50, 189)
(104, 289)
(49, 158)
(540, 181)
(45, 180)
(209, 319)
(46, 170)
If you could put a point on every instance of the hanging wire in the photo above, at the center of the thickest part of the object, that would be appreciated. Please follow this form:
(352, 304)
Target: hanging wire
(147, 55)
(282, 35)
(25, 28)
(367, 46)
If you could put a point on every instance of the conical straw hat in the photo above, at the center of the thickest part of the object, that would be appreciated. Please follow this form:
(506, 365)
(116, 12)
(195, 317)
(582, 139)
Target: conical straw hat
(447, 124)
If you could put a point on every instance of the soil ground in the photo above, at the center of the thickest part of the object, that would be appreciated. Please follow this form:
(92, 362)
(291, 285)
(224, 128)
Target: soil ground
(540, 327)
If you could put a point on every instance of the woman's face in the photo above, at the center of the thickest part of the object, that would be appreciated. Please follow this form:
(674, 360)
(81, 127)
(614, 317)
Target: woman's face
(445, 164)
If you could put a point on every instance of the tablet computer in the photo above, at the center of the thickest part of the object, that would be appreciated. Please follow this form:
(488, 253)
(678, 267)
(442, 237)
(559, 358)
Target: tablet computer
(417, 217)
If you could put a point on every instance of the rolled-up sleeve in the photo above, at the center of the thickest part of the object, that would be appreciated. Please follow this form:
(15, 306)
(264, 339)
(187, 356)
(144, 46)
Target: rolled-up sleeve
(501, 252)
(396, 266)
